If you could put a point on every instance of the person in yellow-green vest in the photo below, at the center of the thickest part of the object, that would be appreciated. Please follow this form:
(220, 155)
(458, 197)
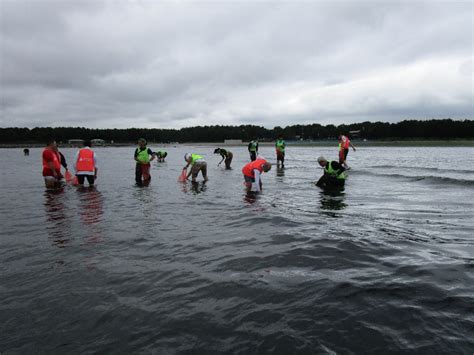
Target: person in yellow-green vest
(253, 149)
(143, 156)
(198, 164)
(280, 151)
(334, 175)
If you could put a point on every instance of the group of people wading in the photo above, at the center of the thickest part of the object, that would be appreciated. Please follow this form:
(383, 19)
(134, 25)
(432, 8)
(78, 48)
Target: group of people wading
(85, 164)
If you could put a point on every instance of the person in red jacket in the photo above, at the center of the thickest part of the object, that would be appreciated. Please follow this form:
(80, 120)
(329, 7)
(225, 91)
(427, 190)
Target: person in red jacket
(51, 165)
(85, 164)
(252, 172)
(344, 144)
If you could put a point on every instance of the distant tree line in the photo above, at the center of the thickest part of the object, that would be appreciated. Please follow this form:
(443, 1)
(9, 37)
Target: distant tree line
(409, 129)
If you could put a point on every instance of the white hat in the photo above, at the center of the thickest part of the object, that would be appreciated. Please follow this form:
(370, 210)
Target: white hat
(187, 156)
(321, 158)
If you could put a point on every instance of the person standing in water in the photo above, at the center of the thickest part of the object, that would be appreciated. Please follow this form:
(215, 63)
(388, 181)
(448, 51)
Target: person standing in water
(85, 164)
(26, 152)
(143, 156)
(333, 176)
(225, 154)
(252, 172)
(253, 149)
(51, 165)
(198, 164)
(344, 143)
(280, 151)
(161, 155)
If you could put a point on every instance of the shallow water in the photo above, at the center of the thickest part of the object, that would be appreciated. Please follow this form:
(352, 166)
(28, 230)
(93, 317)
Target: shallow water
(384, 266)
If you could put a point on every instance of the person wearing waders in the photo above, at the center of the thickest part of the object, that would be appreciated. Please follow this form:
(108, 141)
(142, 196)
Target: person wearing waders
(252, 172)
(226, 155)
(280, 151)
(333, 175)
(253, 149)
(344, 144)
(143, 156)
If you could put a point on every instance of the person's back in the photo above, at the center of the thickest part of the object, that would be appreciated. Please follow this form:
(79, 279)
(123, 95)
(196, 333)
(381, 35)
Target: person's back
(86, 164)
(252, 172)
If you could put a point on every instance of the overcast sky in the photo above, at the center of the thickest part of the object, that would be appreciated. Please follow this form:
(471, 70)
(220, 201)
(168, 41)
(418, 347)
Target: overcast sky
(106, 64)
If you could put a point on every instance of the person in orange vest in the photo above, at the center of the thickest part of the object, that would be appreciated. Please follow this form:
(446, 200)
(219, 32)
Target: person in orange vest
(85, 164)
(51, 165)
(344, 143)
(252, 172)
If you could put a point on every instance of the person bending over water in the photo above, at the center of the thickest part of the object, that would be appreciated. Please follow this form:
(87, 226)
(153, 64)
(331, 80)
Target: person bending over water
(143, 156)
(252, 172)
(86, 164)
(225, 154)
(198, 164)
(51, 165)
(333, 176)
(161, 155)
(26, 151)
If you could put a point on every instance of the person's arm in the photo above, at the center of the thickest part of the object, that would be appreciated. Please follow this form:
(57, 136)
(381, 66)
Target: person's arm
(256, 186)
(153, 155)
(250, 144)
(353, 148)
(63, 160)
(135, 155)
(223, 157)
(75, 161)
(256, 148)
(338, 167)
(95, 166)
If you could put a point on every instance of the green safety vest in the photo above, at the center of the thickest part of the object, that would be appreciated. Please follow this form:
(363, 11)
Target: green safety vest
(331, 172)
(142, 156)
(280, 145)
(253, 146)
(195, 157)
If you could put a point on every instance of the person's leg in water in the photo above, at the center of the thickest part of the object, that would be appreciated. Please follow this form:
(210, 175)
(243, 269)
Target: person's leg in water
(228, 160)
(80, 180)
(90, 180)
(50, 182)
(204, 171)
(138, 174)
(253, 156)
(146, 174)
(346, 151)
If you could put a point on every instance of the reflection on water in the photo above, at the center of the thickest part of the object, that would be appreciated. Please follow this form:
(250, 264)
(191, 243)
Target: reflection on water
(194, 187)
(90, 204)
(332, 200)
(55, 214)
(280, 171)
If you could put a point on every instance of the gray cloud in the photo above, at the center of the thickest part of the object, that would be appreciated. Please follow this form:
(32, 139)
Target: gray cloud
(174, 64)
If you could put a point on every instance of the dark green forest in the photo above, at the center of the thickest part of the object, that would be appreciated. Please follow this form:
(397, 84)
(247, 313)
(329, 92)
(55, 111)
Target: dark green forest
(404, 130)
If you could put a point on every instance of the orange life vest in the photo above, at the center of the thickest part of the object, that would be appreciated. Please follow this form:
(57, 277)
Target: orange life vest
(56, 161)
(345, 142)
(85, 160)
(248, 169)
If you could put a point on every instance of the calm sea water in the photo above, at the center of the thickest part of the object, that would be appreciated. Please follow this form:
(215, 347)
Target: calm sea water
(385, 266)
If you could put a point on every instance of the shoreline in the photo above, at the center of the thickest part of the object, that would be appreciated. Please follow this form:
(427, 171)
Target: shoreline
(329, 143)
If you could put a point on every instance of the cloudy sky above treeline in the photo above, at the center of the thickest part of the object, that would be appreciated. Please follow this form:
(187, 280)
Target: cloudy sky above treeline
(172, 64)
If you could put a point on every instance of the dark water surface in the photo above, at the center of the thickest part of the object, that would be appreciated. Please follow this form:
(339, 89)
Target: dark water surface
(386, 266)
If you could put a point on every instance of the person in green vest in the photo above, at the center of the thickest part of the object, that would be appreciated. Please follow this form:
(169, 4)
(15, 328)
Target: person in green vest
(253, 149)
(198, 164)
(280, 151)
(225, 154)
(334, 175)
(161, 155)
(143, 156)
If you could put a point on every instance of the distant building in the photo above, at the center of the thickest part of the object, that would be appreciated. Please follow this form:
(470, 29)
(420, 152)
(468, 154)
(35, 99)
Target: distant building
(76, 141)
(98, 141)
(233, 141)
(354, 133)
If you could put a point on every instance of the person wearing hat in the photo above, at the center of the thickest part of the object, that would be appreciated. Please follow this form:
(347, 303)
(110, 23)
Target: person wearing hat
(143, 156)
(225, 154)
(161, 155)
(198, 164)
(333, 176)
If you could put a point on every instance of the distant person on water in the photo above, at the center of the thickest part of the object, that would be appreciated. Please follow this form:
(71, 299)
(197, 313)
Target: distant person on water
(333, 176)
(226, 155)
(252, 172)
(253, 149)
(280, 151)
(85, 164)
(344, 143)
(143, 156)
(161, 155)
(51, 165)
(198, 164)
(26, 151)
